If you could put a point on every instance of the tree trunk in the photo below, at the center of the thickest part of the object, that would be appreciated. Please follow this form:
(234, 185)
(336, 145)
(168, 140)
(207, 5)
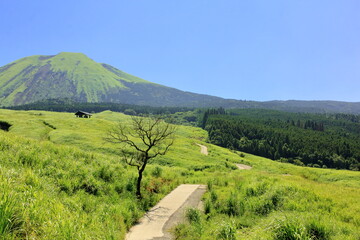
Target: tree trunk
(140, 171)
(138, 184)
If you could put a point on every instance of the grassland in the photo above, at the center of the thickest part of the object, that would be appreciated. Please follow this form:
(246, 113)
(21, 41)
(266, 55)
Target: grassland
(60, 180)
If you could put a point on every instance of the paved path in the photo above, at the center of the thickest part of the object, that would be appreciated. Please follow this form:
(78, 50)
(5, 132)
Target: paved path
(243, 166)
(203, 149)
(169, 211)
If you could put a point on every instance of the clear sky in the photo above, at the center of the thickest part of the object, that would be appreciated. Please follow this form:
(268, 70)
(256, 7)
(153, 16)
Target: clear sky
(241, 49)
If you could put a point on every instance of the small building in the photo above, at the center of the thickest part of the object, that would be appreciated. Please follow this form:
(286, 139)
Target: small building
(82, 114)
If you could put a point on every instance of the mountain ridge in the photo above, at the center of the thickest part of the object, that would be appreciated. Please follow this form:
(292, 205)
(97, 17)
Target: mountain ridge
(78, 77)
(75, 76)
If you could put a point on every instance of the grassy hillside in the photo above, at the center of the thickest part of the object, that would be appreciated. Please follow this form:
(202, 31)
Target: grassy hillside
(71, 75)
(66, 129)
(60, 180)
(260, 204)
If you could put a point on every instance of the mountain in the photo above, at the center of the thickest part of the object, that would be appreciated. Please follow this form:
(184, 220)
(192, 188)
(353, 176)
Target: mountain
(77, 77)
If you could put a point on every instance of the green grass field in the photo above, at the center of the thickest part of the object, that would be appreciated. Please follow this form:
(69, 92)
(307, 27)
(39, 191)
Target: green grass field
(59, 179)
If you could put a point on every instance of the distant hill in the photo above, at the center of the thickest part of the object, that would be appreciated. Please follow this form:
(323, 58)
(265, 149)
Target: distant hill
(313, 106)
(75, 76)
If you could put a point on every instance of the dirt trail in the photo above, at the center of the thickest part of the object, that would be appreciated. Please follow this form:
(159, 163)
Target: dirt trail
(243, 166)
(203, 149)
(164, 215)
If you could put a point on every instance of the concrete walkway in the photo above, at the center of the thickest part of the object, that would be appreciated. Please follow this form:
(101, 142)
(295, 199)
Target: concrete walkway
(203, 149)
(243, 166)
(156, 223)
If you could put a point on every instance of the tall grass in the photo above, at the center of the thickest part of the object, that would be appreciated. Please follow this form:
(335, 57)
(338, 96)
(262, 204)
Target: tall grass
(66, 183)
(293, 229)
(10, 218)
(268, 206)
(64, 193)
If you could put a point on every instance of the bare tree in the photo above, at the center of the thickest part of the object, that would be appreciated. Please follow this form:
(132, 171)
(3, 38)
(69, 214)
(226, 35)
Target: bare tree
(145, 138)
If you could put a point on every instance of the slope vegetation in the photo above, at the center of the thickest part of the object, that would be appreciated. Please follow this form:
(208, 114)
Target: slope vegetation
(59, 180)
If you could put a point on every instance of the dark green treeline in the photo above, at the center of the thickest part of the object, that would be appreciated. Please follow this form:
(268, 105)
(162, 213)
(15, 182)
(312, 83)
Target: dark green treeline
(317, 140)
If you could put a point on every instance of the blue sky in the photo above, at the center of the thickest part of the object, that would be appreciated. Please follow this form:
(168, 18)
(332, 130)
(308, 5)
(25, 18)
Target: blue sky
(253, 50)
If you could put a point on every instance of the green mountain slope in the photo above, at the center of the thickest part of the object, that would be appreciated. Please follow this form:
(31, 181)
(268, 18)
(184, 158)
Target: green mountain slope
(75, 76)
(71, 75)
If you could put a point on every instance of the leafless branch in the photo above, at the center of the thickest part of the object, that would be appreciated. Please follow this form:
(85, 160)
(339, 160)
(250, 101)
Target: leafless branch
(146, 137)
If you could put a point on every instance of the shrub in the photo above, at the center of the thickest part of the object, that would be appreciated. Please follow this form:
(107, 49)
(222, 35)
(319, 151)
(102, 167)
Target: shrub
(276, 199)
(227, 231)
(154, 185)
(130, 185)
(209, 185)
(256, 190)
(316, 231)
(294, 230)
(131, 213)
(267, 203)
(119, 188)
(264, 207)
(213, 196)
(5, 125)
(106, 173)
(193, 215)
(234, 207)
(230, 166)
(157, 172)
(90, 186)
(181, 231)
(289, 230)
(207, 206)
